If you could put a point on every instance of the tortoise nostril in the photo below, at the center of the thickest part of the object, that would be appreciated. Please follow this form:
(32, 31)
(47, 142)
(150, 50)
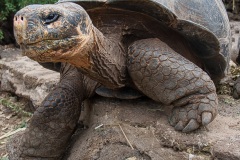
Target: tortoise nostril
(22, 18)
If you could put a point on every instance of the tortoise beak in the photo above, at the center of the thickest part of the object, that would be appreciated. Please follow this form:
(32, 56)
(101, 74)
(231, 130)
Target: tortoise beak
(20, 25)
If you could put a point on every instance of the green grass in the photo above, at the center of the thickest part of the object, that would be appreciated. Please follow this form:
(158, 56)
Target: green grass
(23, 124)
(1, 34)
(4, 158)
(15, 107)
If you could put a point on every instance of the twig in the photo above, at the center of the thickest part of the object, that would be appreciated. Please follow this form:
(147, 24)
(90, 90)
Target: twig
(126, 137)
(98, 126)
(233, 7)
(11, 133)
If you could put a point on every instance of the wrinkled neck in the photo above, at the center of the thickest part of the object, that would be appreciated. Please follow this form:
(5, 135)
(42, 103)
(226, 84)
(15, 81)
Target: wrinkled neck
(102, 60)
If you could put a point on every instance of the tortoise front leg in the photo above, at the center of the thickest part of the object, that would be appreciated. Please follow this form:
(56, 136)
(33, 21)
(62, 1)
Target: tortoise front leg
(54, 121)
(167, 77)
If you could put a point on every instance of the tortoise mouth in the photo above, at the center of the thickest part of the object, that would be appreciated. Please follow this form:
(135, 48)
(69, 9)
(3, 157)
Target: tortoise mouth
(48, 50)
(35, 43)
(48, 42)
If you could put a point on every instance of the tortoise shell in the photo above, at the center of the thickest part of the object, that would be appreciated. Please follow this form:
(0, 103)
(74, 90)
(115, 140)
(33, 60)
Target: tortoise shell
(203, 23)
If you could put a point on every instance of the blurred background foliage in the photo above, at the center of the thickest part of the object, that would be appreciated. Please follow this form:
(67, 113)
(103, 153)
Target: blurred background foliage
(7, 10)
(232, 5)
(9, 7)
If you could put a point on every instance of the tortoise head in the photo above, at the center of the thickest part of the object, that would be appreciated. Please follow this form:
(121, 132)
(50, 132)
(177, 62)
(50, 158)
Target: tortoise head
(48, 33)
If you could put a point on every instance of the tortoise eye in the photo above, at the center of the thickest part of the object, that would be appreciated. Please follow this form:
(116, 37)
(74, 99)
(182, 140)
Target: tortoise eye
(51, 18)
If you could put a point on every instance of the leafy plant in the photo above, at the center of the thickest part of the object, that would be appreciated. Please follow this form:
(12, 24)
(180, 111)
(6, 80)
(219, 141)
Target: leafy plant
(9, 7)
(6, 8)
(23, 3)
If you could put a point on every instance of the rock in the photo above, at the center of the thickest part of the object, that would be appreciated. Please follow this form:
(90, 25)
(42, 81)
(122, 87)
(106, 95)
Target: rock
(235, 31)
(146, 126)
(24, 77)
(236, 89)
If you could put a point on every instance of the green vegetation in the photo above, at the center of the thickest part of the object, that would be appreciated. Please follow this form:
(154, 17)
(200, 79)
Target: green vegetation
(232, 5)
(23, 124)
(1, 34)
(23, 3)
(14, 118)
(15, 107)
(9, 7)
(4, 158)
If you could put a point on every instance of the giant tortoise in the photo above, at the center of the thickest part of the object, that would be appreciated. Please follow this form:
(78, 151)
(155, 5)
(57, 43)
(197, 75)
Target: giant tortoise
(172, 51)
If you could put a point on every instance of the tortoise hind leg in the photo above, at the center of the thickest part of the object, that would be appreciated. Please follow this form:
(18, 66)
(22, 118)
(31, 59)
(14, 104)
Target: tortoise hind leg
(54, 121)
(169, 78)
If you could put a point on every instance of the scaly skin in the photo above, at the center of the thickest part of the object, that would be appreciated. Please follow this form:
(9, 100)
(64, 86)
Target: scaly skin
(70, 38)
(64, 33)
(167, 77)
(54, 121)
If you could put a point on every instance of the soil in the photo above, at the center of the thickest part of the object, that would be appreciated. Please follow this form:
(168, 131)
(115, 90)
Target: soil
(10, 120)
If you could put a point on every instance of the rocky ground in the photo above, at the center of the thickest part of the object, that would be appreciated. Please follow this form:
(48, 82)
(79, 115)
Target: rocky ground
(116, 129)
(14, 110)
(12, 118)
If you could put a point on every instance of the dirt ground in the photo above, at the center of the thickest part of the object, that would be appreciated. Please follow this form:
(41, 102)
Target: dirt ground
(12, 119)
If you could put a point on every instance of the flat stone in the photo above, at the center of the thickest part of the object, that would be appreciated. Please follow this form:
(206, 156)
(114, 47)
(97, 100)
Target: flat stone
(25, 77)
(148, 131)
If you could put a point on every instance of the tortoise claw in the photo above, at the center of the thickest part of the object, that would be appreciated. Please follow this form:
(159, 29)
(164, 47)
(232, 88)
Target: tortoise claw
(192, 125)
(206, 118)
(179, 126)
